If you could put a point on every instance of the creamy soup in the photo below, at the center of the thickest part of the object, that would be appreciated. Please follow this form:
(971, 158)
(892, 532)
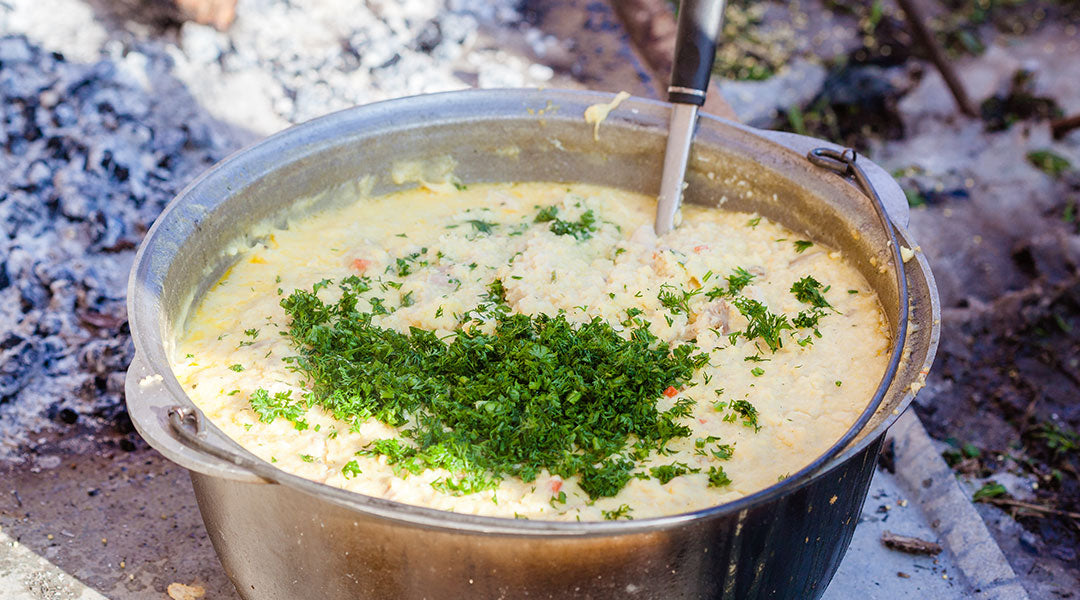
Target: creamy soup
(534, 350)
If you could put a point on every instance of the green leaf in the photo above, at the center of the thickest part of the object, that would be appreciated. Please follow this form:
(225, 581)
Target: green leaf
(989, 489)
(1049, 162)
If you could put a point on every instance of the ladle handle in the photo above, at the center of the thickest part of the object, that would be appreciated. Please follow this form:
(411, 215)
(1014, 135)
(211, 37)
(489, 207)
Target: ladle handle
(695, 49)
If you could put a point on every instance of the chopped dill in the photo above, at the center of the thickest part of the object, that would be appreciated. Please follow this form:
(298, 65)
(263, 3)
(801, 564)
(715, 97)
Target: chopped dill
(623, 511)
(666, 473)
(744, 409)
(351, 469)
(762, 324)
(534, 392)
(717, 477)
(582, 229)
(738, 279)
(481, 226)
(676, 300)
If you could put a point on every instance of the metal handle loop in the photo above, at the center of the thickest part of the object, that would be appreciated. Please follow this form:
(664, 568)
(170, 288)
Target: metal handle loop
(187, 424)
(837, 161)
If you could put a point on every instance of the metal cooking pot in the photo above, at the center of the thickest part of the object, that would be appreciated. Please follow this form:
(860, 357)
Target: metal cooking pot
(280, 536)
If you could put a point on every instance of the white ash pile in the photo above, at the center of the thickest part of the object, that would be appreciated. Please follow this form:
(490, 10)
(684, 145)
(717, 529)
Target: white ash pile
(93, 147)
(288, 62)
(89, 155)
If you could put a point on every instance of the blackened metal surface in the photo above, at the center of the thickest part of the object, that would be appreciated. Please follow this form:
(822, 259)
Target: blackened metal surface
(277, 542)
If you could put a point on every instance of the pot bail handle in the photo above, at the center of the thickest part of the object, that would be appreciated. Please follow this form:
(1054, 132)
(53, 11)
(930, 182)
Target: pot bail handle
(188, 427)
(843, 163)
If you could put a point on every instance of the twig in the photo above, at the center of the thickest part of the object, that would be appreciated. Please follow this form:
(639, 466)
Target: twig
(1062, 126)
(925, 38)
(1030, 506)
(911, 545)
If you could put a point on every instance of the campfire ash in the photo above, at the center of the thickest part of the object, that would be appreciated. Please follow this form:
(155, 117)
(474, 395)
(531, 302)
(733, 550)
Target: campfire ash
(89, 158)
(102, 125)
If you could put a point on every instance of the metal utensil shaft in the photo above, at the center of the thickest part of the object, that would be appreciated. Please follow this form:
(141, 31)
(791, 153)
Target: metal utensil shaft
(680, 133)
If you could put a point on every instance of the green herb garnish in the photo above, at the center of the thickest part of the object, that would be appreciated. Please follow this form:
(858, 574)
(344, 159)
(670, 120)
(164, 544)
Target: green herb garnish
(481, 226)
(738, 279)
(547, 214)
(762, 324)
(666, 473)
(717, 477)
(809, 291)
(747, 411)
(535, 393)
(623, 511)
(281, 404)
(582, 229)
(351, 469)
(676, 300)
(802, 245)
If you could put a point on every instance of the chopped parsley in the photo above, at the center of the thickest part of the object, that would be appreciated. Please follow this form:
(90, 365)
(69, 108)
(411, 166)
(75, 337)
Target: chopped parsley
(802, 245)
(717, 477)
(757, 371)
(351, 469)
(237, 367)
(377, 306)
(666, 473)
(307, 458)
(535, 392)
(281, 404)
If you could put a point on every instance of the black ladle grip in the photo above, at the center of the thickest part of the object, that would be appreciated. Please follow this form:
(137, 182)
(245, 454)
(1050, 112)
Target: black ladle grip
(695, 49)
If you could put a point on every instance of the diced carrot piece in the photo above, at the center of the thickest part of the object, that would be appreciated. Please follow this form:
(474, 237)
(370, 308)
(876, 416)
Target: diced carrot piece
(556, 485)
(671, 392)
(699, 249)
(360, 264)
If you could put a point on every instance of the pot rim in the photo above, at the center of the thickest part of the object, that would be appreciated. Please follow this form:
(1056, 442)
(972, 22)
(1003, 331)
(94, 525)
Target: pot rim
(151, 361)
